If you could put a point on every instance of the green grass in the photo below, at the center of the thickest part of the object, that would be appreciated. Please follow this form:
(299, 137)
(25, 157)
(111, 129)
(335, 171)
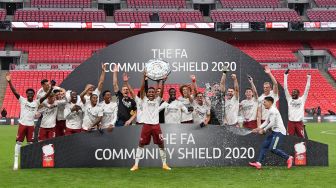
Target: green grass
(178, 177)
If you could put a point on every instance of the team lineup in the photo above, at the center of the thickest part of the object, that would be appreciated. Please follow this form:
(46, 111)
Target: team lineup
(64, 112)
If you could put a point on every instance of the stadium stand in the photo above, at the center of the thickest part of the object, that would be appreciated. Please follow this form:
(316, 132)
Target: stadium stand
(61, 3)
(23, 80)
(185, 15)
(63, 15)
(250, 3)
(325, 45)
(270, 51)
(58, 52)
(332, 73)
(156, 3)
(321, 92)
(322, 15)
(325, 3)
(2, 14)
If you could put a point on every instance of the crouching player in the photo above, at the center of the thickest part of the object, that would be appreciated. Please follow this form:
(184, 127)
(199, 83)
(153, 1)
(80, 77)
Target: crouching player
(151, 127)
(273, 141)
(28, 109)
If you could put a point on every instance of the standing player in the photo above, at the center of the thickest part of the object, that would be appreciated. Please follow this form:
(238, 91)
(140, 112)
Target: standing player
(127, 108)
(60, 119)
(151, 127)
(231, 110)
(268, 92)
(201, 110)
(93, 113)
(273, 141)
(296, 107)
(110, 111)
(249, 106)
(173, 109)
(28, 109)
(187, 100)
(91, 87)
(73, 114)
(49, 115)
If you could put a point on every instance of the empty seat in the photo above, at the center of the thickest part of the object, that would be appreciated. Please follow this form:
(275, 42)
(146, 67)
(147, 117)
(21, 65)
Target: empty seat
(250, 3)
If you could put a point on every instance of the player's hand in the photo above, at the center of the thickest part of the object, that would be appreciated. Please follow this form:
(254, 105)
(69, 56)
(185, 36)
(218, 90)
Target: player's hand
(125, 77)
(165, 78)
(261, 131)
(287, 71)
(234, 77)
(250, 79)
(116, 68)
(267, 70)
(193, 78)
(110, 128)
(103, 67)
(128, 123)
(8, 77)
(88, 86)
(256, 130)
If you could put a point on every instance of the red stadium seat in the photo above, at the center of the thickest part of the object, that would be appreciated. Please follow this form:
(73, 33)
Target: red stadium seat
(250, 3)
(321, 15)
(325, 3)
(61, 3)
(58, 52)
(321, 92)
(23, 80)
(156, 3)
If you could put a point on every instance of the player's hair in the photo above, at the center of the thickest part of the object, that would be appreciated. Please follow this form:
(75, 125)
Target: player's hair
(270, 99)
(230, 88)
(44, 81)
(30, 89)
(199, 93)
(151, 88)
(106, 91)
(171, 89)
(297, 90)
(93, 94)
(269, 83)
(183, 86)
(248, 89)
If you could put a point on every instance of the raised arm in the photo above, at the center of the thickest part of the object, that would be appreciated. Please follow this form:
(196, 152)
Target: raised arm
(194, 85)
(142, 88)
(83, 94)
(275, 83)
(102, 78)
(9, 80)
(125, 79)
(286, 85)
(115, 78)
(162, 86)
(222, 83)
(305, 94)
(253, 87)
(47, 94)
(235, 85)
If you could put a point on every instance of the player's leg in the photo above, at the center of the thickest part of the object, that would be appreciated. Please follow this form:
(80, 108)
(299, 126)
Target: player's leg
(42, 134)
(262, 153)
(299, 129)
(60, 128)
(21, 134)
(275, 145)
(144, 140)
(51, 133)
(291, 128)
(158, 140)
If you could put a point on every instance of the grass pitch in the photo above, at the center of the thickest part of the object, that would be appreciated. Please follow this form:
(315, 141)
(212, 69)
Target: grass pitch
(178, 177)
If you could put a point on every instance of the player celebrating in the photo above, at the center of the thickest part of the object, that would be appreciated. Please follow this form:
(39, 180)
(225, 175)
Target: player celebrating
(249, 106)
(273, 141)
(187, 100)
(296, 107)
(151, 127)
(231, 102)
(28, 109)
(60, 119)
(73, 114)
(110, 111)
(268, 92)
(48, 122)
(173, 109)
(201, 111)
(91, 87)
(93, 113)
(127, 108)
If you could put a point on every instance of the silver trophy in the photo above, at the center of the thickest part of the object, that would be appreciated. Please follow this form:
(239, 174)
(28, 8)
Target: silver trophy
(157, 69)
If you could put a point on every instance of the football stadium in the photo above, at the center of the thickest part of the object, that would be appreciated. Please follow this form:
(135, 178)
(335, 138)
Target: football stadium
(168, 93)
